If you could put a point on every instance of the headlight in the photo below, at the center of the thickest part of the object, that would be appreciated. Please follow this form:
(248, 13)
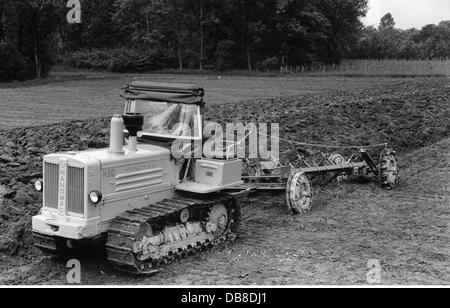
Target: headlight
(38, 185)
(95, 197)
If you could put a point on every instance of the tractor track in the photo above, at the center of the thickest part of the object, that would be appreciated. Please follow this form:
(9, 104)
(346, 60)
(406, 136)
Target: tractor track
(125, 229)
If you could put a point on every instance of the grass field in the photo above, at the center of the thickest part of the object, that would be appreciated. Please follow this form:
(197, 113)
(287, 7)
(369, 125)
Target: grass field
(398, 67)
(71, 94)
(367, 68)
(79, 95)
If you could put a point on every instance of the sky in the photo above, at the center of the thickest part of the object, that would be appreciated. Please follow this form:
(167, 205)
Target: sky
(409, 13)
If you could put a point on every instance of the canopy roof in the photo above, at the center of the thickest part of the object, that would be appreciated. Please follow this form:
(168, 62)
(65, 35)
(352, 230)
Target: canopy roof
(164, 92)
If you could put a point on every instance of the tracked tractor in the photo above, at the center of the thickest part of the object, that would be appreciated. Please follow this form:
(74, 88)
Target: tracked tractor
(161, 197)
(149, 206)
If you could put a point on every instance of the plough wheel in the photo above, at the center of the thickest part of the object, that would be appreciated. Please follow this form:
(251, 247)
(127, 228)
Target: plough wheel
(389, 169)
(299, 193)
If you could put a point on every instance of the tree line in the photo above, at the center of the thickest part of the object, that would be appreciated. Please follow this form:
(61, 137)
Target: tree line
(143, 35)
(388, 42)
(203, 34)
(27, 38)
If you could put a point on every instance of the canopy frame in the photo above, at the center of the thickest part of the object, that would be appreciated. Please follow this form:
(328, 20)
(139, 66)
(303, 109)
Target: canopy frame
(164, 92)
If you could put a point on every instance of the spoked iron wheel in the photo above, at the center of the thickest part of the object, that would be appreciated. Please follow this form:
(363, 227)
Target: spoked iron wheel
(389, 169)
(219, 216)
(299, 193)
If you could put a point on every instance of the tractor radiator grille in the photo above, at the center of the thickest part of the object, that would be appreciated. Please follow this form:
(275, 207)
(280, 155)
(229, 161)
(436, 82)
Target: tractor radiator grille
(51, 173)
(75, 193)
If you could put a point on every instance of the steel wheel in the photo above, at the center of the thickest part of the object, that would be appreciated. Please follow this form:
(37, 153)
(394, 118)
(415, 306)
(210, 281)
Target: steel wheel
(219, 218)
(145, 232)
(389, 169)
(299, 193)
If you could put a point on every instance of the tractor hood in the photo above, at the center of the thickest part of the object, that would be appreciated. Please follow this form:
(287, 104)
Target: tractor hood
(106, 158)
(130, 179)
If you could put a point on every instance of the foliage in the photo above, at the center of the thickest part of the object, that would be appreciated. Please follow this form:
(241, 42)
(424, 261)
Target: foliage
(217, 34)
(387, 23)
(141, 35)
(11, 63)
(269, 64)
(119, 60)
(388, 42)
(28, 28)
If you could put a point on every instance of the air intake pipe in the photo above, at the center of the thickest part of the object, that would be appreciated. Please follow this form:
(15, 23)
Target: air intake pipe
(116, 135)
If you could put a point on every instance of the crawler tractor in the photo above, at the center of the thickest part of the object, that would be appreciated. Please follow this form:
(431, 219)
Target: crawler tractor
(150, 206)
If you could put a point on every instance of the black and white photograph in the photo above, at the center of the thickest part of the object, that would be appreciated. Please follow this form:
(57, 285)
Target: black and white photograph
(224, 145)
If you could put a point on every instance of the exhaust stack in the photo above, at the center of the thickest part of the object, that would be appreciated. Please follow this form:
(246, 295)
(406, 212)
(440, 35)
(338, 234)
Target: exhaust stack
(133, 123)
(116, 138)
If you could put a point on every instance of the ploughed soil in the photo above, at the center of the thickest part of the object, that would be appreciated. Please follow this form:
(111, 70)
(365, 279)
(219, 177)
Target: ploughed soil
(352, 223)
(74, 95)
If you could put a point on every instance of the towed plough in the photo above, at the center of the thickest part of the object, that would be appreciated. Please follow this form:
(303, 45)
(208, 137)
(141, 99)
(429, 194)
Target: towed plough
(297, 176)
